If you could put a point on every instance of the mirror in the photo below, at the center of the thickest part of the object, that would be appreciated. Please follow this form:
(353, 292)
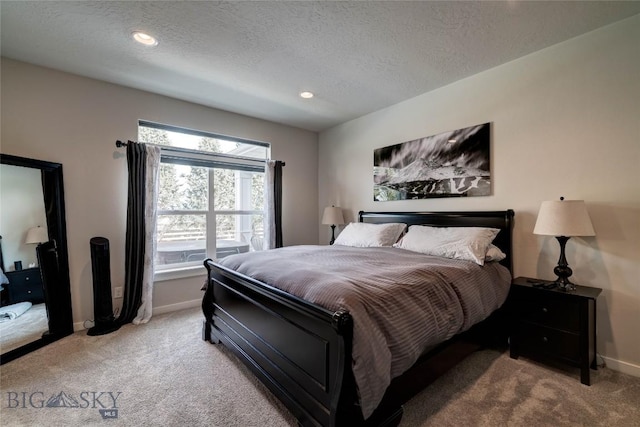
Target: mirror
(38, 288)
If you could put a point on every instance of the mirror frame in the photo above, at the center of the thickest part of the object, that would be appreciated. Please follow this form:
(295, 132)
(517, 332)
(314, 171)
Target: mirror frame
(58, 300)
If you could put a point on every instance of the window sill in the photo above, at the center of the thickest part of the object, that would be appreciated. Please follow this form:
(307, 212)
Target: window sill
(179, 273)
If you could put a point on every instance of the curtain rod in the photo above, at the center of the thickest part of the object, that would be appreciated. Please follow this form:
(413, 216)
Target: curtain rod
(167, 148)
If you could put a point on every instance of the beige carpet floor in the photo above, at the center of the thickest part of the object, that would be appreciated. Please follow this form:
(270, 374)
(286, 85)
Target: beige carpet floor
(162, 373)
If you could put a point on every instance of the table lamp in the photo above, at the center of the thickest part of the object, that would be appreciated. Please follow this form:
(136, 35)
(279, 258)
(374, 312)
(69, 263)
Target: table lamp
(563, 219)
(332, 216)
(36, 235)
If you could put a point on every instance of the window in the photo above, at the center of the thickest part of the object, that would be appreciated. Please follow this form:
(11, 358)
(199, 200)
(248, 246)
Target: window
(211, 195)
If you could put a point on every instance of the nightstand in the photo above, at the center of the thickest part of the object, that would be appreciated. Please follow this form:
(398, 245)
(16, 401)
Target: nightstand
(554, 324)
(25, 285)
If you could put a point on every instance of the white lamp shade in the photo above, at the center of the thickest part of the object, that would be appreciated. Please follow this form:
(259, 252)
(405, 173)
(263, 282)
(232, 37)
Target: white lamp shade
(564, 218)
(37, 235)
(332, 216)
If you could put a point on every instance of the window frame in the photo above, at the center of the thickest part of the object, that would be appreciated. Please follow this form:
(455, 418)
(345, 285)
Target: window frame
(210, 160)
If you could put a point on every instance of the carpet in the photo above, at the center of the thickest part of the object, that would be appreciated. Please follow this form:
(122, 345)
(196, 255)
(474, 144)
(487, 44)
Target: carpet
(162, 373)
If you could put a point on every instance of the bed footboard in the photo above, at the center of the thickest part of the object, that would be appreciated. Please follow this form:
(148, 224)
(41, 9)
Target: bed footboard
(297, 349)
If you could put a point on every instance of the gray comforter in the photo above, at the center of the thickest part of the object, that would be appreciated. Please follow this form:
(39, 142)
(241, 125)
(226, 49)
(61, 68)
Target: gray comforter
(401, 302)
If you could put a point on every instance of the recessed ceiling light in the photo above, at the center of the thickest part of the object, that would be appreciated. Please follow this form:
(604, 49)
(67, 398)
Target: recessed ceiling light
(144, 38)
(306, 94)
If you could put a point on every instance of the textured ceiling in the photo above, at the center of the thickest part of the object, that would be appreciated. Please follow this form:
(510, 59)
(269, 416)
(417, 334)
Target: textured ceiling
(255, 57)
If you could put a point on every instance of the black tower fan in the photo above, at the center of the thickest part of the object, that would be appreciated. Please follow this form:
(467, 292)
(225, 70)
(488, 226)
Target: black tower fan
(102, 306)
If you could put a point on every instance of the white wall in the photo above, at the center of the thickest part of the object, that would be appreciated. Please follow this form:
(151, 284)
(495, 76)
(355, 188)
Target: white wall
(21, 207)
(59, 117)
(565, 122)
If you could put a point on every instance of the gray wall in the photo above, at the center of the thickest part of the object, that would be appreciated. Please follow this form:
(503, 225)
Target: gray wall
(22, 203)
(60, 117)
(565, 122)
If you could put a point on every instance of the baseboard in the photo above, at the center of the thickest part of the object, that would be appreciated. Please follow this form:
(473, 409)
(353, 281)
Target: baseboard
(79, 326)
(620, 366)
(175, 307)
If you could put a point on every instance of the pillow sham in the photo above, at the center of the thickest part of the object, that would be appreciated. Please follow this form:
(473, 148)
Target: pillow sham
(494, 254)
(468, 243)
(364, 235)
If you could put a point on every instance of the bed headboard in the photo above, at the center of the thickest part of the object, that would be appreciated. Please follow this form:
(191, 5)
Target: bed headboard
(502, 220)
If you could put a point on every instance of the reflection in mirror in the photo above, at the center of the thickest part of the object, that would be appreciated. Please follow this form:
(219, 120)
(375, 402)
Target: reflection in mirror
(23, 315)
(35, 303)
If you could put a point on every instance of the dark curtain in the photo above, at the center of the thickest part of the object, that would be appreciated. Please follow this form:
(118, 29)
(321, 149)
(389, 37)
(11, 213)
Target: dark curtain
(134, 250)
(277, 182)
(53, 255)
(53, 192)
(58, 309)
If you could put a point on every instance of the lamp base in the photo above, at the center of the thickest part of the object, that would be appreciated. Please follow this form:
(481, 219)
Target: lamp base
(562, 270)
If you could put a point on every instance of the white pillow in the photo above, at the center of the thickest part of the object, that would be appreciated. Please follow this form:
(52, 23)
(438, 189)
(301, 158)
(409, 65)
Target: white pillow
(468, 243)
(494, 254)
(364, 235)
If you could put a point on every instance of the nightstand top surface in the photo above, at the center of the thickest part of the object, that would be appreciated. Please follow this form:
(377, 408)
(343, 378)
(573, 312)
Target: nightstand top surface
(15, 274)
(582, 291)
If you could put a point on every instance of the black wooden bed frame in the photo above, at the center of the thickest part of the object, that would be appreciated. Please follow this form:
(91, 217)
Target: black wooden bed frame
(302, 352)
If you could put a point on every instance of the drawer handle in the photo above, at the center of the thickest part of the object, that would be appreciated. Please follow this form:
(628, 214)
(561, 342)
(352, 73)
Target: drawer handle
(544, 310)
(545, 339)
(28, 292)
(26, 278)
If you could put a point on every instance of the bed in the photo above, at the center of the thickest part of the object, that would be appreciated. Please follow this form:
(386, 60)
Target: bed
(305, 353)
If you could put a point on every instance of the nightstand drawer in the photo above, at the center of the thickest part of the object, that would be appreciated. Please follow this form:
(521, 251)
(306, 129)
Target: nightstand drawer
(25, 285)
(552, 312)
(29, 275)
(549, 342)
(24, 293)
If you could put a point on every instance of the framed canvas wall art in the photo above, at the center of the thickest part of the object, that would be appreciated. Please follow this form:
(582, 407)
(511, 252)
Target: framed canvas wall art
(449, 164)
